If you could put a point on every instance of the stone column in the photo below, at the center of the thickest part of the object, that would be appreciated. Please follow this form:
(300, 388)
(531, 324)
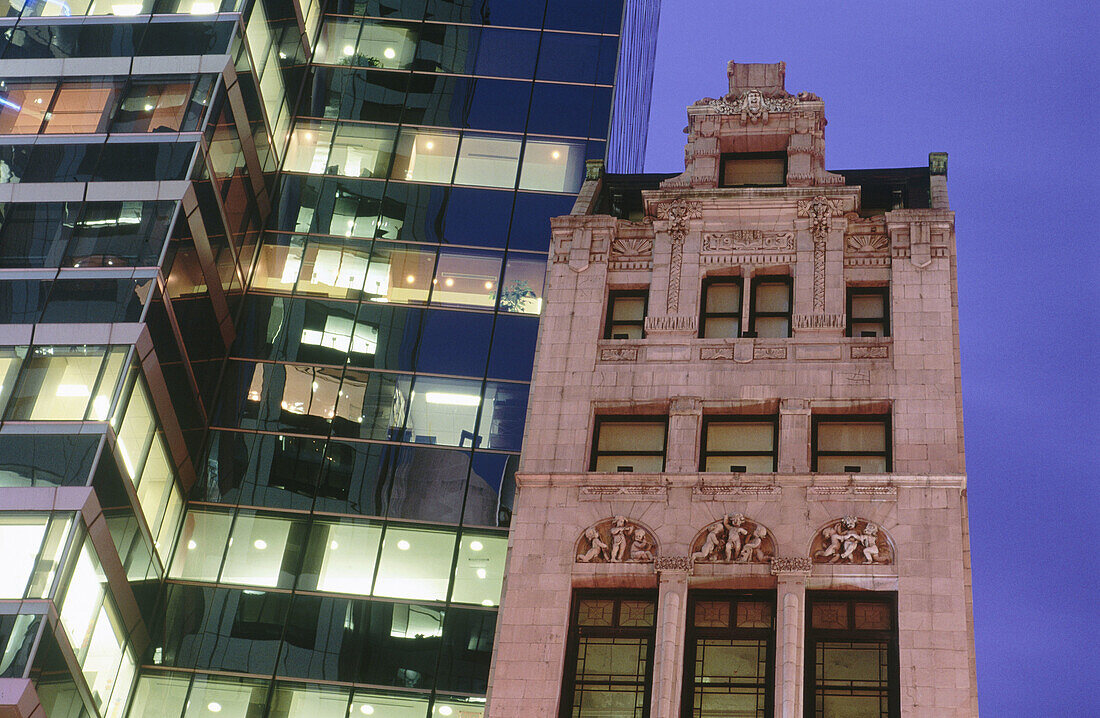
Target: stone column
(668, 652)
(790, 641)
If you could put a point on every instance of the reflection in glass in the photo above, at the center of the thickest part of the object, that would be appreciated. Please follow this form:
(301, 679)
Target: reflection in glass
(524, 276)
(257, 545)
(201, 546)
(32, 545)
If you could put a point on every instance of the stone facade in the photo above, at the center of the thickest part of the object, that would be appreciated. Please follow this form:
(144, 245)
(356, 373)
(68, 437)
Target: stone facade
(907, 527)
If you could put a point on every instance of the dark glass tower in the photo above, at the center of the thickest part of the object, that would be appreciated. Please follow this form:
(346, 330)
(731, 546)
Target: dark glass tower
(270, 278)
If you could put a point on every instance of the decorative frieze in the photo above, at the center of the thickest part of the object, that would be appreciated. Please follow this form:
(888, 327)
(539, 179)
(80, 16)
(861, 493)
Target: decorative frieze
(852, 540)
(615, 540)
(747, 240)
(878, 351)
(713, 353)
(733, 539)
(769, 352)
(715, 258)
(879, 493)
(672, 563)
(726, 493)
(633, 493)
(791, 564)
(619, 354)
(671, 324)
(818, 321)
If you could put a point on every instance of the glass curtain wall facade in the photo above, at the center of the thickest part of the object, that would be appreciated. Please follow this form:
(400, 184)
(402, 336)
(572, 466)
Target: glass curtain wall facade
(270, 279)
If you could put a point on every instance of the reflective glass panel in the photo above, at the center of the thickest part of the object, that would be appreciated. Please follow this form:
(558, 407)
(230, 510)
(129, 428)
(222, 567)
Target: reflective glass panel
(487, 161)
(201, 546)
(341, 557)
(552, 166)
(427, 155)
(57, 383)
(415, 563)
(257, 545)
(480, 570)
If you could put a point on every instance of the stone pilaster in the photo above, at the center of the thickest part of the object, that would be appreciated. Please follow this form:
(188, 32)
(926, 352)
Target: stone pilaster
(790, 633)
(668, 653)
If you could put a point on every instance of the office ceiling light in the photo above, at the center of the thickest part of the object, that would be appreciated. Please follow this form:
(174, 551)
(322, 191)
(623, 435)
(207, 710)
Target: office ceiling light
(366, 709)
(481, 573)
(73, 390)
(389, 53)
(445, 710)
(214, 707)
(476, 545)
(260, 544)
(441, 397)
(349, 50)
(204, 8)
(555, 154)
(404, 545)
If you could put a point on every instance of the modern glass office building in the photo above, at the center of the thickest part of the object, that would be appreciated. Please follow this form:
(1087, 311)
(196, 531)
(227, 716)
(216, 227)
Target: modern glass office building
(270, 280)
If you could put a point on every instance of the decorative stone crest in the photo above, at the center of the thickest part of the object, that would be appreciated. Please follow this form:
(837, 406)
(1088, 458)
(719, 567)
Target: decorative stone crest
(615, 540)
(791, 564)
(733, 539)
(677, 213)
(747, 240)
(752, 105)
(852, 540)
(819, 209)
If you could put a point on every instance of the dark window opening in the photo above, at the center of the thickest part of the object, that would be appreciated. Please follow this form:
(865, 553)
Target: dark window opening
(850, 444)
(628, 444)
(771, 307)
(626, 312)
(868, 310)
(720, 315)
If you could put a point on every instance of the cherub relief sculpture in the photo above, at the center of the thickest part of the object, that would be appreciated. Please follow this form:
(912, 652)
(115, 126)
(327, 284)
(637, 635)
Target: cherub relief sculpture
(733, 539)
(616, 540)
(852, 540)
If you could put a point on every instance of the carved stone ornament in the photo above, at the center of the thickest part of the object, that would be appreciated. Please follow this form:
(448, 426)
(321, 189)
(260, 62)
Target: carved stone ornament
(752, 105)
(619, 354)
(747, 240)
(791, 564)
(819, 209)
(616, 540)
(631, 248)
(733, 539)
(872, 352)
(677, 213)
(852, 540)
(672, 563)
(867, 243)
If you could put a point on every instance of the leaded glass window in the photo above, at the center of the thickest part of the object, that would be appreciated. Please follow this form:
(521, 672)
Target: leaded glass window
(852, 656)
(730, 653)
(610, 660)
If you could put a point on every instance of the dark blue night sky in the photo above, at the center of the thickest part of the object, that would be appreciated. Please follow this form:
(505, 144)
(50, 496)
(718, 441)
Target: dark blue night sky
(1009, 90)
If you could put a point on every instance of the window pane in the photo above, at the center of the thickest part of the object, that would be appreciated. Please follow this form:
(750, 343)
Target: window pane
(161, 696)
(23, 107)
(11, 358)
(736, 463)
(361, 150)
(852, 664)
(740, 436)
(153, 107)
(487, 161)
(552, 166)
(772, 327)
(100, 408)
(416, 563)
(830, 615)
(712, 614)
(138, 425)
(425, 155)
(156, 478)
(626, 331)
(257, 545)
(21, 536)
(83, 598)
(443, 411)
(724, 297)
(480, 570)
(201, 544)
(867, 306)
(309, 147)
(524, 278)
(631, 436)
(773, 297)
(333, 270)
(466, 278)
(637, 464)
(851, 436)
(628, 308)
(721, 328)
(57, 383)
(341, 557)
(867, 329)
(723, 660)
(840, 464)
(82, 107)
(383, 706)
(742, 172)
(292, 701)
(236, 698)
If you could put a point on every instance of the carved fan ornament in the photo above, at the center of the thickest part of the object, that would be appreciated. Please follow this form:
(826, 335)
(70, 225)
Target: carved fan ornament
(733, 539)
(867, 243)
(631, 248)
(616, 540)
(852, 540)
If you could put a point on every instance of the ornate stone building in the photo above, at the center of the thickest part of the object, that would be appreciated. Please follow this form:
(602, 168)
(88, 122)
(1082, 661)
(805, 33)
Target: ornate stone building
(742, 489)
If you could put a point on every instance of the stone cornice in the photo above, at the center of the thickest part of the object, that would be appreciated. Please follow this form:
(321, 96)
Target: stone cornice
(825, 483)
